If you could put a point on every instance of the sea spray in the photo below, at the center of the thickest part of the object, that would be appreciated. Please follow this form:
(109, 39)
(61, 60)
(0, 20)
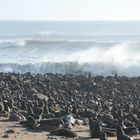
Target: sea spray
(121, 58)
(101, 48)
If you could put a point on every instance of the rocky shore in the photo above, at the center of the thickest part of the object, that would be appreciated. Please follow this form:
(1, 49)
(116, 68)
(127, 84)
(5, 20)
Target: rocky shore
(57, 104)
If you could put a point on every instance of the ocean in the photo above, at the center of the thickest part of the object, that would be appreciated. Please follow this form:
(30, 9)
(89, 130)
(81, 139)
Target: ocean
(74, 47)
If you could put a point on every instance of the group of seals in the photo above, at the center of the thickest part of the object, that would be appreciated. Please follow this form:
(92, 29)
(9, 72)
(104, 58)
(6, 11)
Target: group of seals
(39, 99)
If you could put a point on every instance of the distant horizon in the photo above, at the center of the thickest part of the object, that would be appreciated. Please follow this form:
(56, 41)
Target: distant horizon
(71, 20)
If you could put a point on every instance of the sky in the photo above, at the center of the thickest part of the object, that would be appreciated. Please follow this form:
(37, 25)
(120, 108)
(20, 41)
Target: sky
(69, 9)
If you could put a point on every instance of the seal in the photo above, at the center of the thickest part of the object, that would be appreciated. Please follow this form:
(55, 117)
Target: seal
(121, 123)
(31, 113)
(31, 123)
(1, 107)
(52, 121)
(131, 130)
(13, 116)
(103, 136)
(50, 124)
(64, 132)
(95, 129)
(121, 135)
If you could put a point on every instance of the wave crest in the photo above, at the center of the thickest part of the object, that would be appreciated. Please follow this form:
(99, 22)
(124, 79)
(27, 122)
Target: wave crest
(12, 42)
(74, 57)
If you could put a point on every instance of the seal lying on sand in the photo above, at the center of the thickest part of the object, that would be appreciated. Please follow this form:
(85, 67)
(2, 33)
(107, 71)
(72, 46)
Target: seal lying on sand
(64, 132)
(131, 131)
(43, 125)
(52, 121)
(50, 124)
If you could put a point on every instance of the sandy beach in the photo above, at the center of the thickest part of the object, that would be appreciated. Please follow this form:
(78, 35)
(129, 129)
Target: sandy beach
(22, 133)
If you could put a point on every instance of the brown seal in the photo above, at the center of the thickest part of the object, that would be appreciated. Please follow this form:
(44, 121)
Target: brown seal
(64, 132)
(95, 129)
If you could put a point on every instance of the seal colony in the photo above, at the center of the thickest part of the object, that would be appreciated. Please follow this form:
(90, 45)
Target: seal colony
(55, 103)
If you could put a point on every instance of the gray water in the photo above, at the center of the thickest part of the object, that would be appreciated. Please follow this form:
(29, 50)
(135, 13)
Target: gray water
(101, 47)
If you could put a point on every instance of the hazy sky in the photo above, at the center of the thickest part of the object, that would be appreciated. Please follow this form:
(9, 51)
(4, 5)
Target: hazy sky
(69, 9)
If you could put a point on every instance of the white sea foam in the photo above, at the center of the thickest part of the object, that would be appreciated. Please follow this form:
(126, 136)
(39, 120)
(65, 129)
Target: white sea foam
(73, 57)
(12, 42)
(102, 47)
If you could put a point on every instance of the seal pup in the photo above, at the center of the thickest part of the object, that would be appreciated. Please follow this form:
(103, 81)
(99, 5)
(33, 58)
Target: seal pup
(121, 135)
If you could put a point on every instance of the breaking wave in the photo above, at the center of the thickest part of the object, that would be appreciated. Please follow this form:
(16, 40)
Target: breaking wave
(12, 42)
(73, 57)
(43, 53)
